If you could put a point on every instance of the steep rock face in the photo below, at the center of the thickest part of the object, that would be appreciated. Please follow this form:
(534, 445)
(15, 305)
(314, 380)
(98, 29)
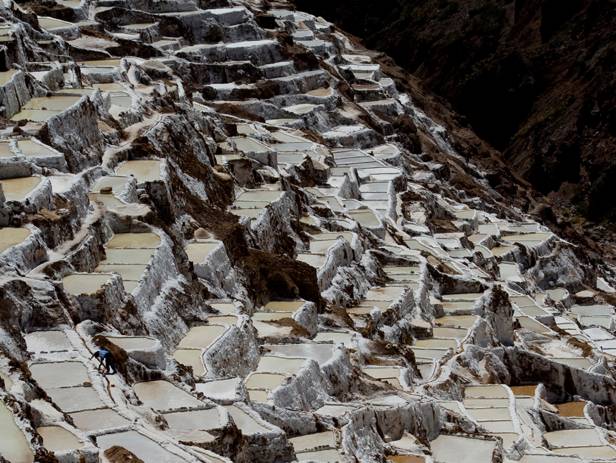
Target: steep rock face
(533, 77)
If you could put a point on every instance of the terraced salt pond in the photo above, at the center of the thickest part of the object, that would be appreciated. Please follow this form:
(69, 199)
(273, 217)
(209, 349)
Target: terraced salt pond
(59, 374)
(128, 254)
(197, 251)
(129, 343)
(117, 183)
(320, 353)
(85, 283)
(245, 422)
(40, 109)
(144, 170)
(77, 398)
(189, 351)
(282, 365)
(10, 237)
(458, 449)
(100, 419)
(201, 337)
(164, 396)
(13, 445)
(58, 439)
(259, 385)
(48, 341)
(191, 358)
(17, 189)
(143, 447)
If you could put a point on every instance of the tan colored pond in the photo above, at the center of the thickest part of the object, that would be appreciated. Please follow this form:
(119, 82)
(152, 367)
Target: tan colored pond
(489, 414)
(251, 213)
(283, 306)
(201, 337)
(430, 354)
(603, 452)
(73, 399)
(382, 372)
(285, 366)
(198, 251)
(128, 256)
(365, 217)
(47, 341)
(144, 170)
(528, 390)
(115, 182)
(573, 438)
(35, 115)
(142, 447)
(128, 272)
(85, 283)
(6, 76)
(129, 343)
(134, 240)
(406, 459)
(321, 247)
(267, 196)
(313, 441)
(13, 445)
(5, 149)
(201, 420)
(483, 403)
(320, 353)
(257, 395)
(107, 63)
(322, 456)
(432, 343)
(491, 391)
(265, 381)
(461, 321)
(572, 409)
(58, 439)
(17, 189)
(246, 423)
(226, 308)
(50, 24)
(59, 374)
(9, 237)
(103, 418)
(335, 337)
(162, 395)
(454, 333)
(384, 293)
(113, 204)
(314, 260)
(334, 410)
(266, 326)
(459, 449)
(191, 358)
(52, 103)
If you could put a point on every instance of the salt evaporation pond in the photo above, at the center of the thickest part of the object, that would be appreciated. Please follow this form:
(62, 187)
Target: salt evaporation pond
(144, 170)
(144, 448)
(163, 395)
(58, 439)
(16, 189)
(10, 237)
(13, 445)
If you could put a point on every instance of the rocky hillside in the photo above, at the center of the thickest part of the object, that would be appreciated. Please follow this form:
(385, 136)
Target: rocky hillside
(231, 233)
(535, 78)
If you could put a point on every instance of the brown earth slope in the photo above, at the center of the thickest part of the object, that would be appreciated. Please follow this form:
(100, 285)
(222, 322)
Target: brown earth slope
(535, 78)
